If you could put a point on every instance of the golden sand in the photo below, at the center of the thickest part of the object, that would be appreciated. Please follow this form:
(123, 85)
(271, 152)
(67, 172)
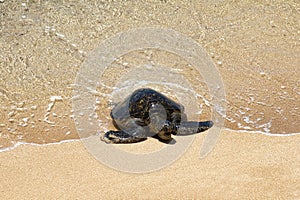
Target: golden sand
(255, 46)
(242, 166)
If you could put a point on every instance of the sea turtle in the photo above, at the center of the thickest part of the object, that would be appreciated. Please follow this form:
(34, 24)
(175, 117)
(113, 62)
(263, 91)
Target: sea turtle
(147, 112)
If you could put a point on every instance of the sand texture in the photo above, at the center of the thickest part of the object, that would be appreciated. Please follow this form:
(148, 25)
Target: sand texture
(242, 166)
(254, 46)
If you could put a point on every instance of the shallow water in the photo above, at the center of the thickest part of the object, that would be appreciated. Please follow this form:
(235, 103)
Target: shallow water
(44, 44)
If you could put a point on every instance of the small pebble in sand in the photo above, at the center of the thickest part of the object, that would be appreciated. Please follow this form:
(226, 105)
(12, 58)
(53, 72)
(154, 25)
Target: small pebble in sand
(262, 74)
(81, 113)
(11, 114)
(67, 133)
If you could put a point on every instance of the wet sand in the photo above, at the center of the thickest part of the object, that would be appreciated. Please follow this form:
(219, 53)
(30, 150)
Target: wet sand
(255, 47)
(242, 166)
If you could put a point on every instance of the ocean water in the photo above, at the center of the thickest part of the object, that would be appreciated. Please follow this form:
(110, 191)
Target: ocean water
(44, 46)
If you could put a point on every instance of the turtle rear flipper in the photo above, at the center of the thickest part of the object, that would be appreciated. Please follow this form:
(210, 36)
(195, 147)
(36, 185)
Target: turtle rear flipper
(191, 127)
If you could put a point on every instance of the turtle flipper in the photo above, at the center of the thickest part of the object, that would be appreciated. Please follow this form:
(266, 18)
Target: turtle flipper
(191, 127)
(120, 137)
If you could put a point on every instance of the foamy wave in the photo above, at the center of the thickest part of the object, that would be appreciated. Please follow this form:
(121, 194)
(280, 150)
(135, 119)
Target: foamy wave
(263, 133)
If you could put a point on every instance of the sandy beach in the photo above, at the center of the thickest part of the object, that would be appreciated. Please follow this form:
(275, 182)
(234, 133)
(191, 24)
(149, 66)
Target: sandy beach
(242, 166)
(253, 46)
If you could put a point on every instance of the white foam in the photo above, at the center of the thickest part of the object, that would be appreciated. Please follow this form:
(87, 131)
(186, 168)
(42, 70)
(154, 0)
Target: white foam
(35, 144)
(263, 133)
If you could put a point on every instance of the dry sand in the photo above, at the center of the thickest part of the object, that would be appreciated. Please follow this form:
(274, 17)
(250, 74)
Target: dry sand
(242, 166)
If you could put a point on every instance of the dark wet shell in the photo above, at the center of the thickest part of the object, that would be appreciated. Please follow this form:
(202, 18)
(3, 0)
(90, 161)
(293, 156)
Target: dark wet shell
(140, 102)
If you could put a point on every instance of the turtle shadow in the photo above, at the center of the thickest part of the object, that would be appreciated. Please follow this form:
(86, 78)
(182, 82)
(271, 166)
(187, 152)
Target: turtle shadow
(171, 141)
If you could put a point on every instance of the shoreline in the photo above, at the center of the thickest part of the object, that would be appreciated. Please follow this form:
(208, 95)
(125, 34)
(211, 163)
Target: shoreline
(17, 144)
(49, 53)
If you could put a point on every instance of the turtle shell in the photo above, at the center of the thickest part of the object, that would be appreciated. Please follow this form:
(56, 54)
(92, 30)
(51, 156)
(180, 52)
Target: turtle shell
(138, 104)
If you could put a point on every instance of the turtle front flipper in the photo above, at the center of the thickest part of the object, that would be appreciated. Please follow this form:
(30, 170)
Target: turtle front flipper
(191, 127)
(120, 137)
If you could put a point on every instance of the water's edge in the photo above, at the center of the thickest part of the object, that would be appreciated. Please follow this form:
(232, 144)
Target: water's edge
(17, 144)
